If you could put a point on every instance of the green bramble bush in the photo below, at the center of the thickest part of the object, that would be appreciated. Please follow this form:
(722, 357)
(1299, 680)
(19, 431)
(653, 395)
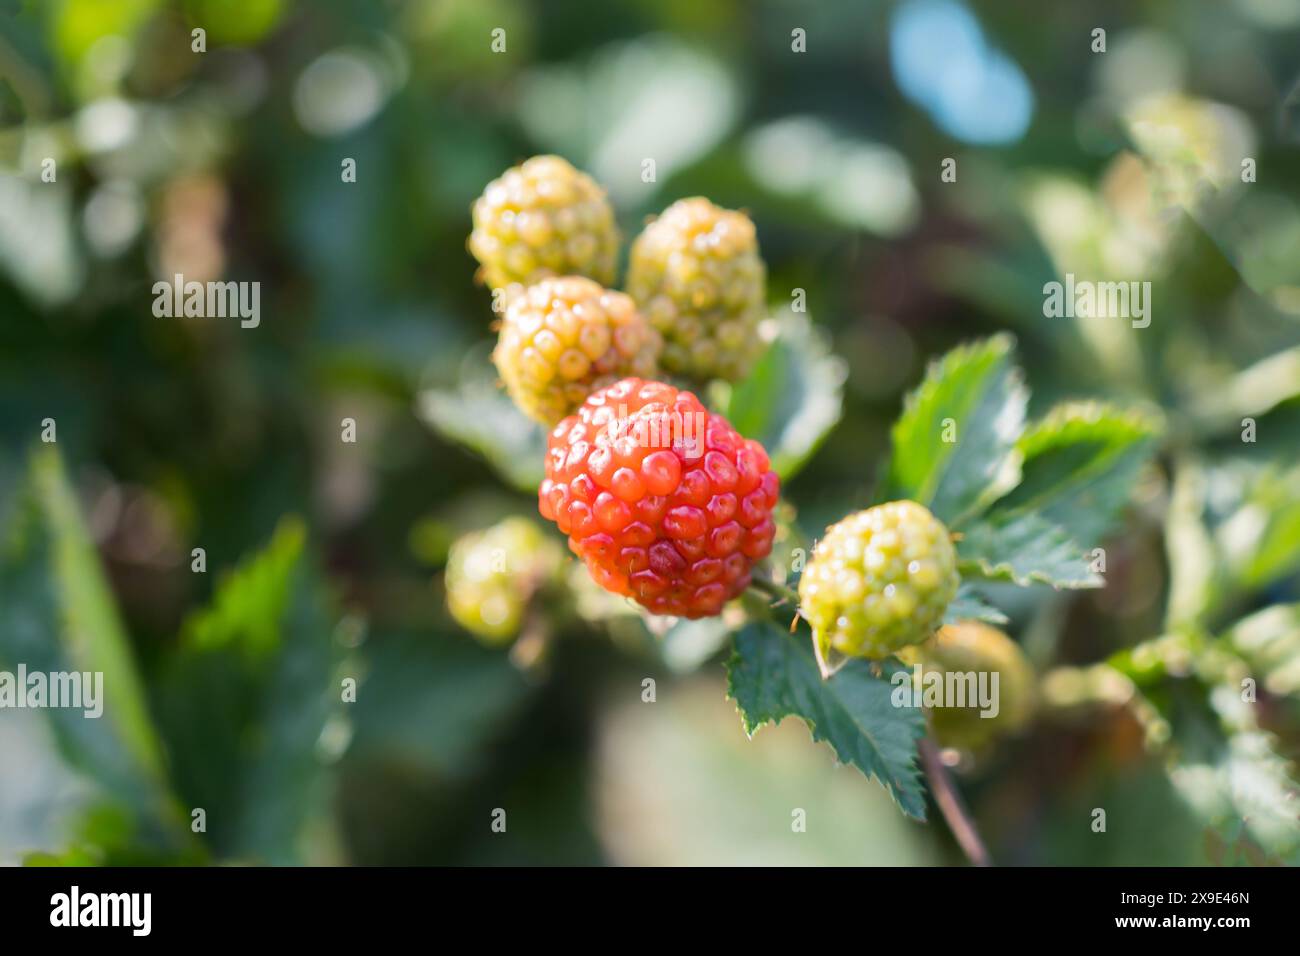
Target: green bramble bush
(311, 683)
(973, 495)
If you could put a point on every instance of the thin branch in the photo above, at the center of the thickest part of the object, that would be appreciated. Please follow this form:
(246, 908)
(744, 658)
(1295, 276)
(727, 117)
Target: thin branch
(776, 592)
(951, 805)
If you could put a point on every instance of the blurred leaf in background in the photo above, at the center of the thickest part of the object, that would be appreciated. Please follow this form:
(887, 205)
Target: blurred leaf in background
(251, 705)
(60, 617)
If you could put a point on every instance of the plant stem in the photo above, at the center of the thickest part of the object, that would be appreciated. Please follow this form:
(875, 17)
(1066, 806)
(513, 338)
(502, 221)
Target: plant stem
(951, 805)
(774, 591)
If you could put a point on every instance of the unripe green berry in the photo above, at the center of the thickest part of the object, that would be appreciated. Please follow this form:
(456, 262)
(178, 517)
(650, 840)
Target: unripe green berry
(562, 339)
(879, 580)
(697, 275)
(970, 647)
(493, 574)
(543, 218)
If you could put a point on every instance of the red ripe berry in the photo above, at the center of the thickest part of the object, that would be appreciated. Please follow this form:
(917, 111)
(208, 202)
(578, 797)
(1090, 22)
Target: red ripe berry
(664, 501)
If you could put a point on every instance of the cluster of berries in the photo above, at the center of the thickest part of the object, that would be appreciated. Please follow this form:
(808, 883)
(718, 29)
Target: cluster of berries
(545, 238)
(663, 500)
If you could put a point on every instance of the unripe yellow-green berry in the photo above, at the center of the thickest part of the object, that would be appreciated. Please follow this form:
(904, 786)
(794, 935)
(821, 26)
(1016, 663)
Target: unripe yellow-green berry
(543, 218)
(493, 574)
(879, 580)
(973, 648)
(697, 275)
(562, 339)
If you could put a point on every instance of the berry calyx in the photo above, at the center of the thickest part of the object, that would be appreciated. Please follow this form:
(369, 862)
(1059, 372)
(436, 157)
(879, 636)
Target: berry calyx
(697, 275)
(665, 502)
(562, 338)
(493, 574)
(879, 580)
(973, 648)
(543, 218)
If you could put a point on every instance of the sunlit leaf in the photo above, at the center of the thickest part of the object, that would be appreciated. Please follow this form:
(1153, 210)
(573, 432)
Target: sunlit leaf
(793, 397)
(1270, 641)
(1078, 466)
(1024, 549)
(952, 446)
(970, 605)
(481, 417)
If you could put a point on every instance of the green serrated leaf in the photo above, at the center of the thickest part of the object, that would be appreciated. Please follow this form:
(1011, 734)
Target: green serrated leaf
(970, 605)
(1078, 465)
(1024, 549)
(245, 702)
(287, 789)
(773, 675)
(793, 397)
(974, 398)
(250, 601)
